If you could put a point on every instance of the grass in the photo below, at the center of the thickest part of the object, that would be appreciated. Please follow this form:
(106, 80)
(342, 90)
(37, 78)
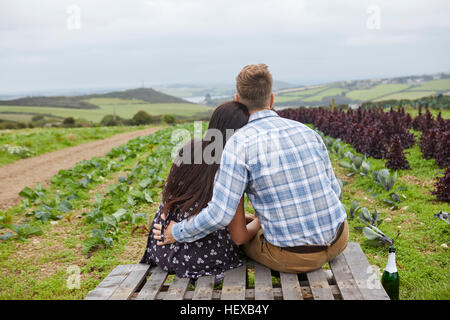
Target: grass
(304, 92)
(123, 108)
(316, 94)
(331, 92)
(127, 108)
(297, 91)
(434, 85)
(300, 95)
(378, 91)
(37, 268)
(422, 260)
(414, 112)
(19, 117)
(407, 95)
(39, 141)
(286, 98)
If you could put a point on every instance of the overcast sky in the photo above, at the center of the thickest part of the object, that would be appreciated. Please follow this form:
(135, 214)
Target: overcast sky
(43, 44)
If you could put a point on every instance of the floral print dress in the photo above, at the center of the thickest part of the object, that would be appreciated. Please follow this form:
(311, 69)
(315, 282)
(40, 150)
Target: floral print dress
(211, 255)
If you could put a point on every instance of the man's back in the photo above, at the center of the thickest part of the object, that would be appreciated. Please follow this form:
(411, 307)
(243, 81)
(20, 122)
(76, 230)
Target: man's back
(285, 169)
(290, 180)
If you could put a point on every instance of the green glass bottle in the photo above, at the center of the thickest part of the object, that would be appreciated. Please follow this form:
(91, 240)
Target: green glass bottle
(390, 279)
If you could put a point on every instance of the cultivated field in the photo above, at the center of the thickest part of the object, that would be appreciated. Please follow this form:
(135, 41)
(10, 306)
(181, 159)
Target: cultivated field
(123, 108)
(376, 92)
(27, 143)
(92, 217)
(358, 93)
(17, 117)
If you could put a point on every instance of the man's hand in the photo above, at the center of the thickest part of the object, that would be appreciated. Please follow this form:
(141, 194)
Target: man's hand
(167, 237)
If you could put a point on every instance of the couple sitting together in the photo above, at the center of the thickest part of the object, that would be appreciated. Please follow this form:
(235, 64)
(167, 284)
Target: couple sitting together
(284, 168)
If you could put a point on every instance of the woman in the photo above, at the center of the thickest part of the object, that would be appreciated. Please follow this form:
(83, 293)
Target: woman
(187, 191)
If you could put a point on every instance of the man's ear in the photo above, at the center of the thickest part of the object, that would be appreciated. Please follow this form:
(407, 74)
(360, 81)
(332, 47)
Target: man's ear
(272, 100)
(236, 98)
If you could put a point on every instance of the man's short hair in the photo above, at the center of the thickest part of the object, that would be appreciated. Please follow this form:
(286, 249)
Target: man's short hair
(254, 86)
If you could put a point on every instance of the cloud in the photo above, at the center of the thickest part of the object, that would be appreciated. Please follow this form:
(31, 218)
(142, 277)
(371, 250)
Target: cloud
(185, 40)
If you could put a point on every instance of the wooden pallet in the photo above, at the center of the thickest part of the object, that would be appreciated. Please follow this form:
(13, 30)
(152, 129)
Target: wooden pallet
(350, 277)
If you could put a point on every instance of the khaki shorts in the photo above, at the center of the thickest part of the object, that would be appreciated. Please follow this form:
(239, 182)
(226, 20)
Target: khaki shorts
(282, 260)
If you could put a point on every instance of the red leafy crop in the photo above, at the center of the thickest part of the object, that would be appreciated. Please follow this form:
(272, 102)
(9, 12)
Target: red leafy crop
(442, 191)
(435, 140)
(368, 131)
(395, 156)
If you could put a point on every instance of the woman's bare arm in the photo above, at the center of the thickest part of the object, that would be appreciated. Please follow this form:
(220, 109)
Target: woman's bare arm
(240, 231)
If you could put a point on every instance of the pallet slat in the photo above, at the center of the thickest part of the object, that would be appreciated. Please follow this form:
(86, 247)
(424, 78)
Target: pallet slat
(344, 279)
(319, 285)
(263, 283)
(234, 284)
(365, 278)
(129, 285)
(352, 273)
(290, 286)
(204, 288)
(107, 287)
(177, 289)
(153, 284)
(116, 276)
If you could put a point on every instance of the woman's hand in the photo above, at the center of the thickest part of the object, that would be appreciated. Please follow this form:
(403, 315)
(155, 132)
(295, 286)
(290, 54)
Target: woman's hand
(167, 237)
(249, 218)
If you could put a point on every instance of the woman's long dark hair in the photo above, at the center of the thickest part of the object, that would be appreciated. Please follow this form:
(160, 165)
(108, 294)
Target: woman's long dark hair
(189, 186)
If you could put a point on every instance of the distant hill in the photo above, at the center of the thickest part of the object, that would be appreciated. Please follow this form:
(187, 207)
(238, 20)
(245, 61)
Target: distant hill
(146, 94)
(219, 94)
(359, 91)
(94, 107)
(223, 90)
(278, 85)
(78, 102)
(57, 102)
(355, 91)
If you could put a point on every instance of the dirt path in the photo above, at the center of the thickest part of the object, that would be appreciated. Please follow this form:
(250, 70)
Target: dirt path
(27, 172)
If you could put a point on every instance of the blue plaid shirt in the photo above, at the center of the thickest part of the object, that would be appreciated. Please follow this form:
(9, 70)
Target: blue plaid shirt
(284, 168)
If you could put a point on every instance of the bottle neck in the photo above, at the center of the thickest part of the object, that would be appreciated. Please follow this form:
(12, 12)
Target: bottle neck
(391, 266)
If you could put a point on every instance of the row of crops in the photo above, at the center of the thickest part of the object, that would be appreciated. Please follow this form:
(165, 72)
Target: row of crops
(385, 135)
(125, 200)
(380, 179)
(15, 145)
(123, 203)
(387, 207)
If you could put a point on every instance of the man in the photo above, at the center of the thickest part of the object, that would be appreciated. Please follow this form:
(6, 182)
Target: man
(284, 168)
